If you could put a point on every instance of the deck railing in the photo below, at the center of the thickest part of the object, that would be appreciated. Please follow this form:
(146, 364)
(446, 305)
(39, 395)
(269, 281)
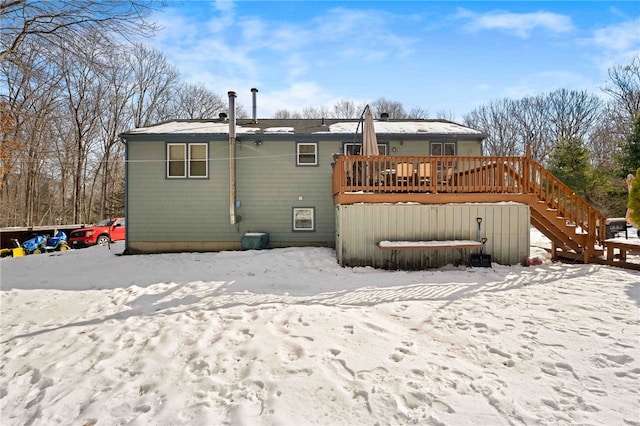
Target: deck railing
(466, 175)
(427, 174)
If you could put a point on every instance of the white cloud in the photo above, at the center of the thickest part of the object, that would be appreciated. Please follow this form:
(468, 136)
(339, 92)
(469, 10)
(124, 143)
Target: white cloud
(615, 44)
(625, 36)
(224, 19)
(293, 98)
(518, 24)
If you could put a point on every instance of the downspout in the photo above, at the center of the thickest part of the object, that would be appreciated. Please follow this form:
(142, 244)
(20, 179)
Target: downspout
(232, 158)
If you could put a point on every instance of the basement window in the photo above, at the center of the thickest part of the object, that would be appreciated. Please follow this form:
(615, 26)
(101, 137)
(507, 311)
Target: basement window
(187, 160)
(306, 154)
(304, 219)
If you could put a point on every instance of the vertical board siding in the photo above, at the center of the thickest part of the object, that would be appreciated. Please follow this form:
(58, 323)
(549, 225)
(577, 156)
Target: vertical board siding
(361, 226)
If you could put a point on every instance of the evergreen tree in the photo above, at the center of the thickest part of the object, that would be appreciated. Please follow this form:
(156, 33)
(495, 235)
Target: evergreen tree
(569, 162)
(629, 158)
(634, 199)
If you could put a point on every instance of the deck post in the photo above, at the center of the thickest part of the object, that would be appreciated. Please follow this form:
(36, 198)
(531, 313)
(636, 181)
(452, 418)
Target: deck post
(526, 172)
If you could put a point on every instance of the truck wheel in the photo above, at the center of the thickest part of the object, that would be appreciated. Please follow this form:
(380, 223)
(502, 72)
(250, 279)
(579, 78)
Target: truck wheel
(102, 240)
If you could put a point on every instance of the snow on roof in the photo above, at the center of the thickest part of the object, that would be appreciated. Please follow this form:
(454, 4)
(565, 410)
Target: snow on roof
(407, 127)
(279, 130)
(340, 127)
(183, 127)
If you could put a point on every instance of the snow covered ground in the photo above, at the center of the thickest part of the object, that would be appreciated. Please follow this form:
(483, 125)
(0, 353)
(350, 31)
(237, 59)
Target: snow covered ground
(288, 337)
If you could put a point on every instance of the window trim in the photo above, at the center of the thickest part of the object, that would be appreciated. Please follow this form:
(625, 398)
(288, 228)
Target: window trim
(315, 153)
(190, 160)
(443, 148)
(312, 210)
(187, 160)
(383, 145)
(168, 174)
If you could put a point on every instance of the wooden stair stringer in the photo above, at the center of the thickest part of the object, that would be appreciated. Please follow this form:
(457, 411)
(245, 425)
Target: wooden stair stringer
(566, 241)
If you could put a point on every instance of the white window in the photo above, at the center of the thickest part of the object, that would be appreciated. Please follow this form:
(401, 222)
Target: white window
(307, 154)
(198, 160)
(304, 219)
(356, 148)
(187, 160)
(439, 148)
(176, 157)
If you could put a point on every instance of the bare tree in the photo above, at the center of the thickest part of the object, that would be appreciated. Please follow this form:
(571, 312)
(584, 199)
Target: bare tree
(195, 101)
(384, 106)
(571, 113)
(26, 21)
(536, 121)
(496, 119)
(418, 113)
(315, 112)
(32, 96)
(84, 94)
(115, 117)
(624, 88)
(155, 80)
(285, 114)
(533, 128)
(346, 109)
(604, 141)
(445, 115)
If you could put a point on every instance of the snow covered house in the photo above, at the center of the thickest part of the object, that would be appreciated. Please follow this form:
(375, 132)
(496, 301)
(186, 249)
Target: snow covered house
(212, 185)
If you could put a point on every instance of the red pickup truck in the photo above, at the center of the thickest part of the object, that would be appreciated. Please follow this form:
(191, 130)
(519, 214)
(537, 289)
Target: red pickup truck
(103, 232)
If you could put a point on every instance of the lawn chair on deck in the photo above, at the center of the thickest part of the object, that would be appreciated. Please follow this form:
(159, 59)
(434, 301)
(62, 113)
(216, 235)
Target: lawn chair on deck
(424, 174)
(404, 174)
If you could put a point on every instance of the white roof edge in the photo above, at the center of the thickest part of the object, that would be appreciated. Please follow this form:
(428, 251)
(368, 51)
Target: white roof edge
(381, 127)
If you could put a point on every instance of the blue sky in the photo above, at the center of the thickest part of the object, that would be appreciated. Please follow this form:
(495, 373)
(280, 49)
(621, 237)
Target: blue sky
(442, 56)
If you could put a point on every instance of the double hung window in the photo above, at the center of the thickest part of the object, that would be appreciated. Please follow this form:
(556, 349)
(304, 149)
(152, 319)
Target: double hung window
(439, 148)
(306, 154)
(356, 148)
(187, 160)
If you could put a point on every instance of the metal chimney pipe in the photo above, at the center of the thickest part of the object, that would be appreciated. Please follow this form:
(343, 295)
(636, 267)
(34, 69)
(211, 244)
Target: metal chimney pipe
(254, 92)
(232, 158)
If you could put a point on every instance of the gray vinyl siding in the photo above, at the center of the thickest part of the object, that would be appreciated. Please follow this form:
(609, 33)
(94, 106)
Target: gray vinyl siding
(418, 148)
(268, 185)
(469, 148)
(162, 209)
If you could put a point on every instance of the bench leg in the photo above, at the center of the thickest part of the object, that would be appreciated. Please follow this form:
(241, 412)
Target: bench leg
(393, 260)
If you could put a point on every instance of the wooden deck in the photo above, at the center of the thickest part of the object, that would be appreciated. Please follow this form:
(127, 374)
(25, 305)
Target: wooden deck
(576, 229)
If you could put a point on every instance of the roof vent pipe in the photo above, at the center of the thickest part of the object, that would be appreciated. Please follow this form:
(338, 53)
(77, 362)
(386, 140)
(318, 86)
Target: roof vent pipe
(254, 92)
(232, 158)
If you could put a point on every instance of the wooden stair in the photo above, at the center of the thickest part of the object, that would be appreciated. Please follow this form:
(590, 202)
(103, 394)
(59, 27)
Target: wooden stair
(576, 230)
(566, 239)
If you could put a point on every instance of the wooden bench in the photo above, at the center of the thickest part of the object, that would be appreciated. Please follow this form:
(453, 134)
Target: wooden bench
(396, 246)
(622, 246)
